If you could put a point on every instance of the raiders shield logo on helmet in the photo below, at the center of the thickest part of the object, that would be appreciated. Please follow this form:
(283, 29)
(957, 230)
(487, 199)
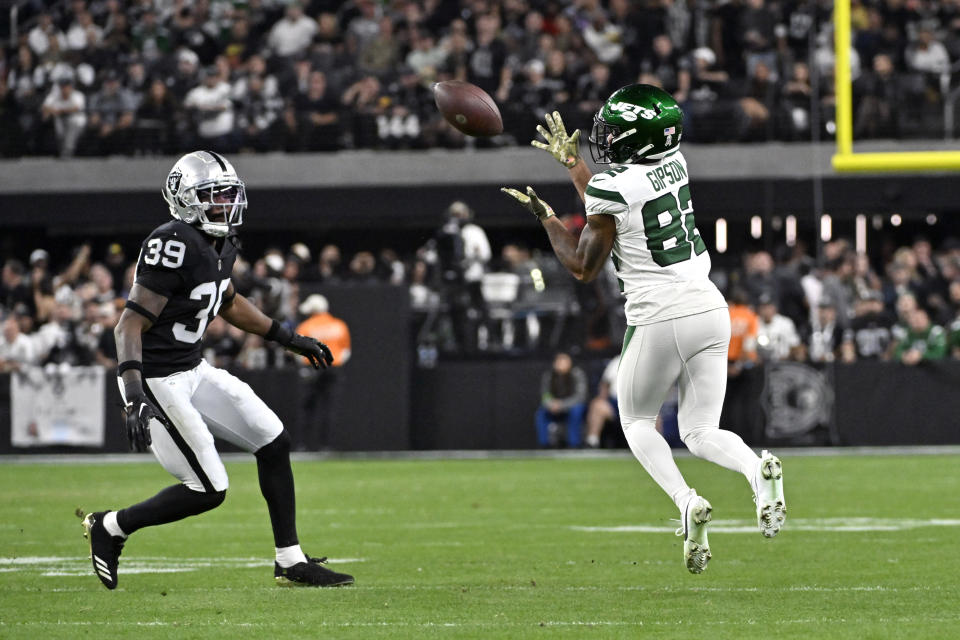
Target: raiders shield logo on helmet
(173, 181)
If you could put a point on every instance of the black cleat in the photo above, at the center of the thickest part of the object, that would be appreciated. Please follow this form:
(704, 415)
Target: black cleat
(104, 549)
(311, 573)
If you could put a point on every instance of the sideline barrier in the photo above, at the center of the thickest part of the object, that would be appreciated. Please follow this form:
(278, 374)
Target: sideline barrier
(490, 404)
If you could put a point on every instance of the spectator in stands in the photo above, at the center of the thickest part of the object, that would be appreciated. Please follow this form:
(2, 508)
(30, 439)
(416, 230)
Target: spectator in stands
(927, 55)
(604, 38)
(603, 407)
(362, 268)
(186, 75)
(362, 99)
(330, 264)
(487, 66)
(382, 53)
(870, 332)
(150, 37)
(110, 118)
(592, 90)
(666, 68)
(563, 397)
(212, 110)
(188, 32)
(758, 23)
(314, 119)
(257, 116)
(709, 112)
(65, 106)
(777, 337)
(796, 102)
(920, 341)
(40, 35)
(16, 349)
(292, 35)
(826, 333)
(156, 124)
(878, 93)
(239, 44)
(14, 286)
(84, 35)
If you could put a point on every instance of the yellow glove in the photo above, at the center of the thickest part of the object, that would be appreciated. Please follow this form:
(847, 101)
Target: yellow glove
(561, 146)
(534, 204)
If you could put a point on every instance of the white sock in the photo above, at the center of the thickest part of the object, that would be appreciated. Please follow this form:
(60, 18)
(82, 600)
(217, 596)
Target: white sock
(110, 524)
(653, 452)
(289, 556)
(593, 441)
(724, 448)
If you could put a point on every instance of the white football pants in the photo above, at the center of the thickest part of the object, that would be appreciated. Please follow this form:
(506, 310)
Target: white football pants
(202, 403)
(692, 352)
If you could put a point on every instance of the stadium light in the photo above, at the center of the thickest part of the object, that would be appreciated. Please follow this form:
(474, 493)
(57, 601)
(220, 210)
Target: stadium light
(721, 233)
(791, 231)
(826, 227)
(896, 220)
(756, 227)
(861, 241)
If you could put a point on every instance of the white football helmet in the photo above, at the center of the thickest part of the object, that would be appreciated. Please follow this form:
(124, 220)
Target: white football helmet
(203, 189)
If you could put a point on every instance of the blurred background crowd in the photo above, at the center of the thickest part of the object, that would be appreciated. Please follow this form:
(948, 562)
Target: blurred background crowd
(100, 77)
(474, 299)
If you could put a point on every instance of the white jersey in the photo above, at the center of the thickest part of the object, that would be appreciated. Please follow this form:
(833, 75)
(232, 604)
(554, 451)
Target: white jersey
(661, 261)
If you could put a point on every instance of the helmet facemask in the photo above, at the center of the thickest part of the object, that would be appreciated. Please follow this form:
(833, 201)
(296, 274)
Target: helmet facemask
(219, 206)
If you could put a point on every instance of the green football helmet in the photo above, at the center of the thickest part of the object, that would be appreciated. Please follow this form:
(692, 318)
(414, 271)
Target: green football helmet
(637, 123)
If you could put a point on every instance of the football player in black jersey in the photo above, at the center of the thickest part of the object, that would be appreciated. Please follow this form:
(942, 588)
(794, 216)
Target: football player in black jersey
(175, 402)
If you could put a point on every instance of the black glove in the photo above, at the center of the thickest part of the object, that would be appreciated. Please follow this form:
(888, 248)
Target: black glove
(137, 414)
(313, 350)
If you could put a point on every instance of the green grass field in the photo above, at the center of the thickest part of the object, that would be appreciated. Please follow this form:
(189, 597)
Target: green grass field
(505, 548)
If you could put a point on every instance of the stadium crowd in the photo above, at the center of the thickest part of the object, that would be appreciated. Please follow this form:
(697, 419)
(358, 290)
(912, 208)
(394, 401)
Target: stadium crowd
(783, 306)
(99, 77)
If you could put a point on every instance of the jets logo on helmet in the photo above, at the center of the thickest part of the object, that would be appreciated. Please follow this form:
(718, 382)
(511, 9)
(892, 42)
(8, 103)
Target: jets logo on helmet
(203, 189)
(638, 123)
(629, 112)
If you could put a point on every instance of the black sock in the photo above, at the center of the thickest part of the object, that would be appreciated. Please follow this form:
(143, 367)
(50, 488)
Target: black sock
(276, 484)
(172, 504)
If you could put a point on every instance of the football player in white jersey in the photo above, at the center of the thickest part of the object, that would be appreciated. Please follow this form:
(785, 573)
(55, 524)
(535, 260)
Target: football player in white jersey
(640, 213)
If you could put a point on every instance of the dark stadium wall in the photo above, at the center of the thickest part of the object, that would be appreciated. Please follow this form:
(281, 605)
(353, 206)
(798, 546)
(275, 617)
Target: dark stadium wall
(490, 404)
(417, 206)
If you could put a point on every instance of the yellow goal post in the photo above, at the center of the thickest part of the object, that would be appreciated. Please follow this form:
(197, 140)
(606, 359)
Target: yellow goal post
(845, 159)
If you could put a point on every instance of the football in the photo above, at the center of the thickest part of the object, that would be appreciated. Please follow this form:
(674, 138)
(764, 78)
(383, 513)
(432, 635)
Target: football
(468, 108)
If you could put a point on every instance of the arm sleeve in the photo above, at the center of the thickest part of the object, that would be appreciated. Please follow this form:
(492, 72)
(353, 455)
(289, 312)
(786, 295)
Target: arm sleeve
(602, 197)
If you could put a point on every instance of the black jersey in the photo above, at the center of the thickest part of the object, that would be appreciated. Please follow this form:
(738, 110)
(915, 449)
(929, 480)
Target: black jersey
(178, 261)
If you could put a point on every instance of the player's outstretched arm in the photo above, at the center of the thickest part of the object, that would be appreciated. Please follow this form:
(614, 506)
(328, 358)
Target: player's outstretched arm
(143, 307)
(243, 314)
(583, 258)
(565, 149)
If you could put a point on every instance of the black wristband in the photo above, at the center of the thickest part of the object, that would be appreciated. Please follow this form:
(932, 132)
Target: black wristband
(133, 306)
(279, 333)
(127, 365)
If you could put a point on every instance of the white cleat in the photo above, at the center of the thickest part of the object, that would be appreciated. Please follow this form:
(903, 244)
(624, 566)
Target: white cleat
(771, 507)
(696, 549)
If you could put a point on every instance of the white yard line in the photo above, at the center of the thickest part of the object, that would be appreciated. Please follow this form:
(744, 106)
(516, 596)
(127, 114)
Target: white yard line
(835, 525)
(480, 454)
